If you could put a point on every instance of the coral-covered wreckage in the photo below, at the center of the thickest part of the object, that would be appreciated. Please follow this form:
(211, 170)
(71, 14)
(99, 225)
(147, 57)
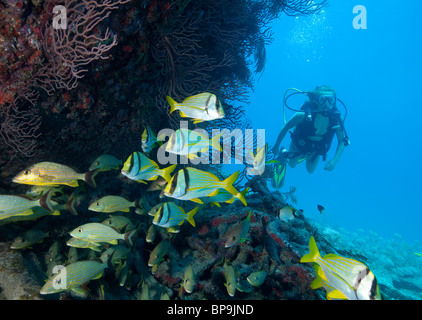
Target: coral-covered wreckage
(70, 95)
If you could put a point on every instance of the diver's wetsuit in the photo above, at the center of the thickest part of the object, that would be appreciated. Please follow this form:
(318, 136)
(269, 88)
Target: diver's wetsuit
(302, 132)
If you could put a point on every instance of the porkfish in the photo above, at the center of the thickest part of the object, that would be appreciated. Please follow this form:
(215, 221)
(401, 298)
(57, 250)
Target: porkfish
(148, 140)
(139, 167)
(349, 278)
(201, 107)
(191, 184)
(170, 215)
(53, 174)
(189, 142)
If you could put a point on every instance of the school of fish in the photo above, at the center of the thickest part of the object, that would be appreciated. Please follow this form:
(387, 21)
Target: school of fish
(113, 238)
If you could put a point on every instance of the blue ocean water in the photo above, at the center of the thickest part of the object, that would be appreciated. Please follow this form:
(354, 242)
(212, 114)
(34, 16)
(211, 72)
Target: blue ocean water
(376, 72)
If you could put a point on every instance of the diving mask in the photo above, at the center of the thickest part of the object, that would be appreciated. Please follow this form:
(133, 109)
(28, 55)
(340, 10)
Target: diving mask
(331, 99)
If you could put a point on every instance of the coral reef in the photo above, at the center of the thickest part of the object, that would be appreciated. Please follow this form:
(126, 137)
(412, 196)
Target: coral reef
(133, 54)
(202, 247)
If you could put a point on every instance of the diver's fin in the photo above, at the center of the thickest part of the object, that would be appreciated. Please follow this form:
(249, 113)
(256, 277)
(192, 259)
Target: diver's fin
(279, 175)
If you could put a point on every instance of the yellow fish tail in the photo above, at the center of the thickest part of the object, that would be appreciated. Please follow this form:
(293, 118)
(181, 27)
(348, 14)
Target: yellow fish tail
(215, 141)
(317, 283)
(167, 171)
(172, 104)
(228, 183)
(313, 252)
(241, 196)
(190, 216)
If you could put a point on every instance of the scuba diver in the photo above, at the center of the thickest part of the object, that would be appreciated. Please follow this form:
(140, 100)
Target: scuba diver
(314, 126)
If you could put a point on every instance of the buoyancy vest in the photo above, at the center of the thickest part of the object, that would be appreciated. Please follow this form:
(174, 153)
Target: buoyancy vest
(304, 130)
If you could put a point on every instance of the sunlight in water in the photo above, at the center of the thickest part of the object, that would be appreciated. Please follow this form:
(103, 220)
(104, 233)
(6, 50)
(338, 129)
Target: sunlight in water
(308, 36)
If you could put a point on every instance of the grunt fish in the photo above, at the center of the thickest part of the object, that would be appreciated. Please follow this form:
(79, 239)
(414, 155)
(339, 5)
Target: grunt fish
(73, 276)
(201, 107)
(106, 162)
(350, 278)
(96, 232)
(121, 223)
(22, 205)
(139, 167)
(111, 204)
(79, 243)
(191, 184)
(53, 174)
(189, 142)
(149, 140)
(170, 215)
(28, 239)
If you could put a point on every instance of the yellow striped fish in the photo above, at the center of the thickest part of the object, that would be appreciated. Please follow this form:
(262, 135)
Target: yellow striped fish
(191, 184)
(170, 215)
(96, 233)
(225, 196)
(121, 223)
(139, 167)
(73, 276)
(53, 174)
(21, 205)
(78, 243)
(201, 107)
(350, 278)
(149, 140)
(189, 142)
(321, 283)
(112, 204)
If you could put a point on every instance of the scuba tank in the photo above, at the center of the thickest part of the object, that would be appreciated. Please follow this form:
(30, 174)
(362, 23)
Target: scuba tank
(309, 115)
